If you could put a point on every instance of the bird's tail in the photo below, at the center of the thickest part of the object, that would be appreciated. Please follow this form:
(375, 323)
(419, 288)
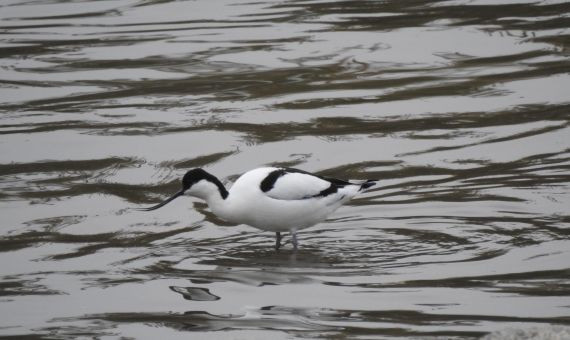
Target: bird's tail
(369, 183)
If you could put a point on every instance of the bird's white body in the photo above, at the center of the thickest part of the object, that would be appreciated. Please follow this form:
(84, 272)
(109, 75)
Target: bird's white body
(271, 199)
(287, 207)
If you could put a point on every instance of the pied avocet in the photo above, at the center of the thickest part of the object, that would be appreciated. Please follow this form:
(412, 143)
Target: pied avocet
(271, 199)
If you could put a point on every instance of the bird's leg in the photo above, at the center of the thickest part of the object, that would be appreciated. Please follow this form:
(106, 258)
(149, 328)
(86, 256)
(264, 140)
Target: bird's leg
(277, 240)
(294, 239)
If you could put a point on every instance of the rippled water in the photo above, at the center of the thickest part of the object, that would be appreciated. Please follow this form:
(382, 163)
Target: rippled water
(461, 107)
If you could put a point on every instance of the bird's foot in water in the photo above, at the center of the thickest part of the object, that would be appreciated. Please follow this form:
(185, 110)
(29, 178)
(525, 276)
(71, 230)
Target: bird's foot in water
(277, 240)
(294, 240)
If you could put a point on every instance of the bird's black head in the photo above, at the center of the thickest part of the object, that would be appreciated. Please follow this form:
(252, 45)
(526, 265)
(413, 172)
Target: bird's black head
(194, 176)
(198, 175)
(198, 183)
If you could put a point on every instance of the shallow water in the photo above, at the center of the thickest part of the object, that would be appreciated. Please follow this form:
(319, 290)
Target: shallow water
(461, 108)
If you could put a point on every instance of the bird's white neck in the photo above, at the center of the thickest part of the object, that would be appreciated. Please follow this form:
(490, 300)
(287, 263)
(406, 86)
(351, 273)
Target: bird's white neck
(215, 195)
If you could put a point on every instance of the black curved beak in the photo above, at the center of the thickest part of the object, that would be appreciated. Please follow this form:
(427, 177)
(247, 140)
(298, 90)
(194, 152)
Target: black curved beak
(178, 194)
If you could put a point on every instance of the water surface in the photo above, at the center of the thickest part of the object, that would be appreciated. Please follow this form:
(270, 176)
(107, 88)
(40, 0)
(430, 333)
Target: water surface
(461, 108)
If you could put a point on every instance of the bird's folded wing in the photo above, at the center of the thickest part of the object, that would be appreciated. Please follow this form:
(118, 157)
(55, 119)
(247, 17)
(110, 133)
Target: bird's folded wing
(284, 184)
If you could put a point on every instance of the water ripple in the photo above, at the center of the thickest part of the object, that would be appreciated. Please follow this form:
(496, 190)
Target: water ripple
(458, 108)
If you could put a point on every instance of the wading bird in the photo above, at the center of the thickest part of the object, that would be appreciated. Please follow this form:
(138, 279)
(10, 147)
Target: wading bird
(271, 199)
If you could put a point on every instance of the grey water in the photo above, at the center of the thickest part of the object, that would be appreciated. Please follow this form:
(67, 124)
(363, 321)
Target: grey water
(461, 108)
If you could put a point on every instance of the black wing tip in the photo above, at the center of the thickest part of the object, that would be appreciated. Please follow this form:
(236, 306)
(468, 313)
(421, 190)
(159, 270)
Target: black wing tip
(369, 183)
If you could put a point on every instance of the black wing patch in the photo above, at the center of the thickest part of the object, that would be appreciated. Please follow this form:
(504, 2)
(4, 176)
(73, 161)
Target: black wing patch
(269, 182)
